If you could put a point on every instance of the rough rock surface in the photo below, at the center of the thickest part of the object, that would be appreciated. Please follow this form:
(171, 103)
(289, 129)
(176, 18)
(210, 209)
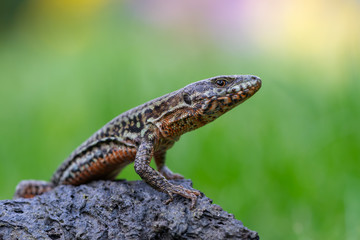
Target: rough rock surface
(116, 210)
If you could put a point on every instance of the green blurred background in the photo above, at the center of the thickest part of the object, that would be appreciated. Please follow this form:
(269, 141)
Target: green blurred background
(286, 162)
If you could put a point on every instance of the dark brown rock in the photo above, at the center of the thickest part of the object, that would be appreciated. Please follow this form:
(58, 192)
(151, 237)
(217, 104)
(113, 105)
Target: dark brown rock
(116, 210)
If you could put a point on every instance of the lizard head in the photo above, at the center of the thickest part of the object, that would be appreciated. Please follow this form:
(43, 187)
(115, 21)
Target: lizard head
(202, 102)
(215, 96)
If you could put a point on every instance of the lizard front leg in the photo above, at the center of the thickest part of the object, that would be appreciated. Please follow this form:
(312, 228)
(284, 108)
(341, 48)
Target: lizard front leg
(164, 170)
(155, 179)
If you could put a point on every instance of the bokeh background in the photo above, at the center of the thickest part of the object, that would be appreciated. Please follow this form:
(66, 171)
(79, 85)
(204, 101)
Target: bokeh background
(286, 162)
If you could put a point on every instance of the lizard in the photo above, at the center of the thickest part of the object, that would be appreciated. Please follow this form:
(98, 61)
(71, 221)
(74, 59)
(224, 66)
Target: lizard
(147, 132)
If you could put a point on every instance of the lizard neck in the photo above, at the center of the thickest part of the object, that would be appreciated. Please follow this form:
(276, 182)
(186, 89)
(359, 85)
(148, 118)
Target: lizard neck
(179, 121)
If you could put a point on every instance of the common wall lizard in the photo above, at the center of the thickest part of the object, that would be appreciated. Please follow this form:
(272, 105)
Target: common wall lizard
(147, 132)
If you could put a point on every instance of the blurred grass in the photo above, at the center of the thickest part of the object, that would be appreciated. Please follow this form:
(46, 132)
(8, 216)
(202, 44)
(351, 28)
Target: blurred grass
(285, 162)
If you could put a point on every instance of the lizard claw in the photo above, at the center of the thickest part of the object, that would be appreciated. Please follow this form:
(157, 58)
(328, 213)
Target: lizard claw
(171, 198)
(194, 194)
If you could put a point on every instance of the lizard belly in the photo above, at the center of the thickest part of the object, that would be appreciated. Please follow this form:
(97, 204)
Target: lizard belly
(103, 162)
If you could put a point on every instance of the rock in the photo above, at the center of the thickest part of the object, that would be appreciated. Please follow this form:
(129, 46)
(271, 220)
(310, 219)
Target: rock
(116, 210)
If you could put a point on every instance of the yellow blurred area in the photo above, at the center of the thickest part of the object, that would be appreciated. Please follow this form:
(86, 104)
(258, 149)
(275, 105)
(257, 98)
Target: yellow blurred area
(321, 28)
(324, 33)
(62, 9)
(65, 27)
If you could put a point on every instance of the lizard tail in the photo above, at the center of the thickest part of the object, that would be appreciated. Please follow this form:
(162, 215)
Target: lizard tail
(31, 188)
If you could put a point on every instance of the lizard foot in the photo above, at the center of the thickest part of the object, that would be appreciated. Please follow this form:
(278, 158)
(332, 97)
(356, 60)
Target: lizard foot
(187, 193)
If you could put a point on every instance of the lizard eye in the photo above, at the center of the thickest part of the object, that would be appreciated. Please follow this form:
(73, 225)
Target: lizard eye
(187, 99)
(221, 83)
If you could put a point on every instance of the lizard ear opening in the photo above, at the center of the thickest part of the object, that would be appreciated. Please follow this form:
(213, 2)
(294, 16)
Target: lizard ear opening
(187, 98)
